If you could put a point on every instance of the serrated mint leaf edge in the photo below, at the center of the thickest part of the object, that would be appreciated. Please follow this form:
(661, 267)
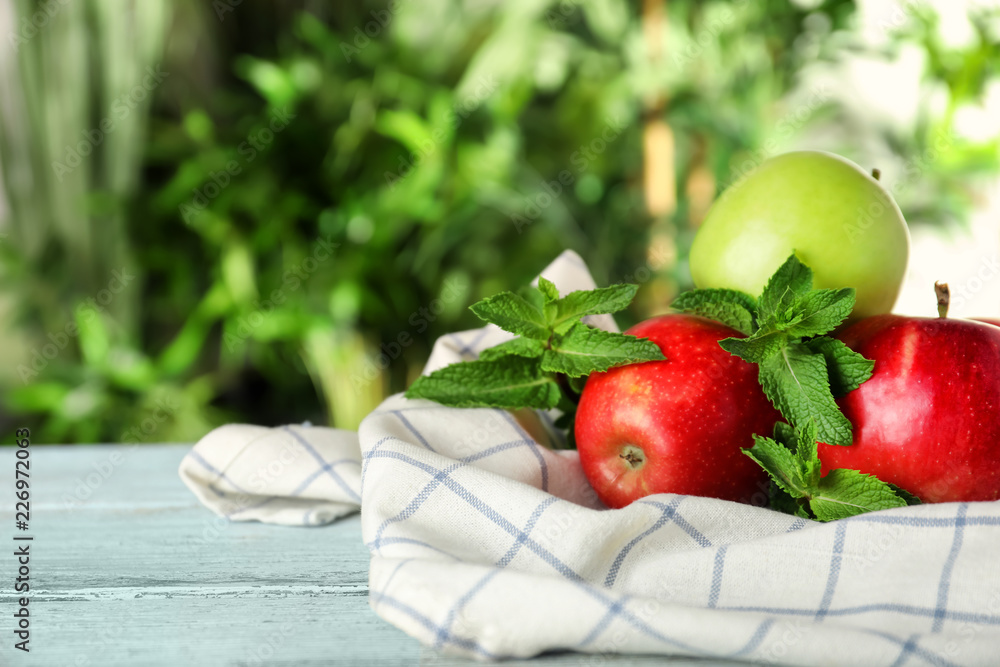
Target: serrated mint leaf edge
(529, 348)
(784, 472)
(775, 295)
(840, 383)
(755, 349)
(822, 497)
(730, 307)
(567, 311)
(831, 424)
(466, 396)
(639, 350)
(513, 323)
(823, 319)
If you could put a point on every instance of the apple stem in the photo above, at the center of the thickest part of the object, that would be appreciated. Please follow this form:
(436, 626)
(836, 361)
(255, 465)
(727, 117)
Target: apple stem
(876, 174)
(634, 457)
(943, 298)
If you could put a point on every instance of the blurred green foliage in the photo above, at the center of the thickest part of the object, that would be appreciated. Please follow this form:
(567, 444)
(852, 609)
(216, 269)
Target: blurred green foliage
(321, 189)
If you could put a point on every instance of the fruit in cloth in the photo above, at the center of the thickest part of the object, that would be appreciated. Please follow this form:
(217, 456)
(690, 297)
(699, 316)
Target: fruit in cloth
(929, 418)
(674, 426)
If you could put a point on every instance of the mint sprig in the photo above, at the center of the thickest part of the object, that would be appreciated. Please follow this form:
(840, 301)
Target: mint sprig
(730, 307)
(507, 382)
(512, 312)
(801, 371)
(792, 461)
(797, 382)
(600, 301)
(546, 365)
(583, 350)
(847, 369)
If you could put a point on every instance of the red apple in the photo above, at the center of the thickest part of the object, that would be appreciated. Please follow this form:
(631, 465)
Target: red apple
(674, 426)
(929, 418)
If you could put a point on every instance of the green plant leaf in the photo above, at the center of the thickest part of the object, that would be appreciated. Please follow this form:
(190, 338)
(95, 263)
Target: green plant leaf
(730, 307)
(38, 397)
(796, 382)
(578, 383)
(547, 365)
(508, 382)
(780, 463)
(792, 462)
(583, 350)
(847, 369)
(549, 297)
(518, 347)
(791, 458)
(785, 434)
(844, 493)
(599, 301)
(820, 311)
(512, 312)
(782, 501)
(532, 295)
(756, 348)
(548, 289)
(807, 454)
(908, 497)
(790, 282)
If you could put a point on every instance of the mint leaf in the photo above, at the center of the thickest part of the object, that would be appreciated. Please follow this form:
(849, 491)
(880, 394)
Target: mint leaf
(796, 478)
(781, 464)
(518, 347)
(509, 382)
(548, 290)
(790, 282)
(533, 296)
(714, 295)
(730, 307)
(800, 375)
(785, 434)
(512, 312)
(844, 493)
(820, 311)
(582, 350)
(756, 348)
(808, 454)
(847, 369)
(791, 458)
(908, 497)
(548, 364)
(782, 501)
(599, 301)
(549, 296)
(796, 382)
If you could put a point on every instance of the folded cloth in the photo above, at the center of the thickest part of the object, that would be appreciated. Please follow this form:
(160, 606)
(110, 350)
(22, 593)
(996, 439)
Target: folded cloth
(486, 543)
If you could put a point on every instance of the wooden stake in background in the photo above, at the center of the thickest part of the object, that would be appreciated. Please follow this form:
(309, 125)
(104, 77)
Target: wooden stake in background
(659, 178)
(659, 175)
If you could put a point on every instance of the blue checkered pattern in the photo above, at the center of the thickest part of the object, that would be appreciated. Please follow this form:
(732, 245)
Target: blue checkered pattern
(455, 542)
(486, 543)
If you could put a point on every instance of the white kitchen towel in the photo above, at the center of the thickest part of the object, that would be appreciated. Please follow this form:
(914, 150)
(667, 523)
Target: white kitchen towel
(486, 543)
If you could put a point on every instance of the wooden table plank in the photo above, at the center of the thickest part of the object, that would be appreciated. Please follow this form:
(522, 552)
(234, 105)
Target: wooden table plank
(127, 568)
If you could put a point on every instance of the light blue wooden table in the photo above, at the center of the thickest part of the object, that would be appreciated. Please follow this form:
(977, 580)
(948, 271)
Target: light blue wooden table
(131, 570)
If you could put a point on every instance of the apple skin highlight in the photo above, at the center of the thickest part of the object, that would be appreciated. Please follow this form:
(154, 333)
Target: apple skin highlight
(675, 426)
(928, 420)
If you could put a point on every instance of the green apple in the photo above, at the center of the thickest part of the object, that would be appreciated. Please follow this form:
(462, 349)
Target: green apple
(834, 216)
